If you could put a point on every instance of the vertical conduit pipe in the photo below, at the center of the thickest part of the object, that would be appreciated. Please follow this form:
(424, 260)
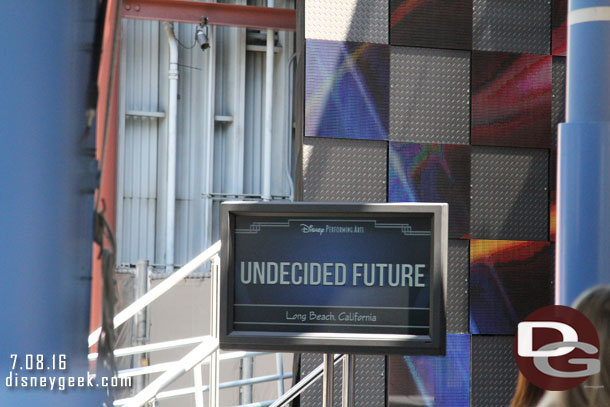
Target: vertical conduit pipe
(583, 216)
(141, 322)
(268, 112)
(171, 147)
(288, 150)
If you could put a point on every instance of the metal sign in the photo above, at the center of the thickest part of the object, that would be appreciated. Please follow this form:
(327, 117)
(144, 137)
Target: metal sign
(345, 278)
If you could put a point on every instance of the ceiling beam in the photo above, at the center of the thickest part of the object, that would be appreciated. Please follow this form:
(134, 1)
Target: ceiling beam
(233, 15)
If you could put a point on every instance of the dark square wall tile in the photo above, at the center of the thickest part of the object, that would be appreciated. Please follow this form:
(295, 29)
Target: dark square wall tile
(499, 299)
(344, 170)
(369, 381)
(432, 23)
(347, 90)
(442, 381)
(494, 371)
(511, 99)
(458, 267)
(512, 26)
(429, 95)
(509, 193)
(559, 41)
(433, 173)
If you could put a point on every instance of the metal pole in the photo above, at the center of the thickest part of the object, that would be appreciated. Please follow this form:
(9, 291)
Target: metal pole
(583, 216)
(198, 383)
(171, 147)
(141, 321)
(246, 373)
(267, 145)
(347, 390)
(279, 362)
(214, 332)
(328, 378)
(210, 108)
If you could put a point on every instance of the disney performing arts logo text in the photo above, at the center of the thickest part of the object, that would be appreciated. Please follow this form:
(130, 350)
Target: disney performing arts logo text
(331, 229)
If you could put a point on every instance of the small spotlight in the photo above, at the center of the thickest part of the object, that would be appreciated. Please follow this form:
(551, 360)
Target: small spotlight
(201, 34)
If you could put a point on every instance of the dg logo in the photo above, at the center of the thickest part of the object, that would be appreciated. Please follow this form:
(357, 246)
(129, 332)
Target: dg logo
(557, 348)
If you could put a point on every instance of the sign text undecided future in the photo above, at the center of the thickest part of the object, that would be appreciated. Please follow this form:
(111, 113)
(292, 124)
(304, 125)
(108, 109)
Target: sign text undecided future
(332, 274)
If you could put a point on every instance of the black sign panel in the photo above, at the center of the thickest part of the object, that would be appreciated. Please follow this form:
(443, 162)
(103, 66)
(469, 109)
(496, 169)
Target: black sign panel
(342, 278)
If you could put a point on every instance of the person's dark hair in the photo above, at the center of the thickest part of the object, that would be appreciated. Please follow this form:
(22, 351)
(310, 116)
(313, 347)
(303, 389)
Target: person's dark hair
(526, 393)
(595, 391)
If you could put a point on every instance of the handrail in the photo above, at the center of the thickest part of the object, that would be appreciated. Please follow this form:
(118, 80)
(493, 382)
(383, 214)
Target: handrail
(185, 364)
(205, 353)
(225, 385)
(162, 367)
(153, 347)
(303, 384)
(159, 290)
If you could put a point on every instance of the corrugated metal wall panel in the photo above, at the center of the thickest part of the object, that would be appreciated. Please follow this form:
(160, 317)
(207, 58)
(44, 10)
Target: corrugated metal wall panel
(255, 100)
(233, 154)
(137, 192)
(193, 125)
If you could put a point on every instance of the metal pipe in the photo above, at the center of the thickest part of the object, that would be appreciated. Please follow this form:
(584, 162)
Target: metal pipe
(246, 373)
(288, 154)
(583, 209)
(254, 380)
(348, 393)
(303, 384)
(268, 112)
(198, 383)
(214, 371)
(141, 321)
(171, 147)
(210, 102)
(159, 290)
(279, 363)
(185, 364)
(328, 386)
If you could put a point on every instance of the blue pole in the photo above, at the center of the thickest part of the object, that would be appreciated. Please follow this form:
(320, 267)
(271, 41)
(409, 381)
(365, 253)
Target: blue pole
(46, 215)
(583, 230)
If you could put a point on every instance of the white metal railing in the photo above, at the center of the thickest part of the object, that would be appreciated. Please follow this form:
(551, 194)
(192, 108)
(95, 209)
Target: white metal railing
(205, 353)
(162, 367)
(159, 290)
(225, 385)
(192, 359)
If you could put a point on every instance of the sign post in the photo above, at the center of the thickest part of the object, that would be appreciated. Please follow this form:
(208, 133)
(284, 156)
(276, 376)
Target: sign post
(328, 379)
(334, 278)
(348, 389)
